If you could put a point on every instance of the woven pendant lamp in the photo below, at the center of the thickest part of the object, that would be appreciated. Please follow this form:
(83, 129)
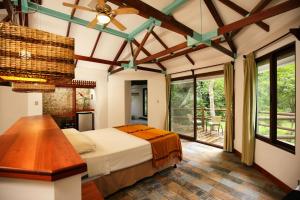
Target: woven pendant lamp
(32, 87)
(30, 55)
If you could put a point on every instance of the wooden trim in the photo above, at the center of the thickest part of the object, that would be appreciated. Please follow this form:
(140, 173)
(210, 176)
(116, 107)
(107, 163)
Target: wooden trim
(46, 153)
(145, 92)
(267, 174)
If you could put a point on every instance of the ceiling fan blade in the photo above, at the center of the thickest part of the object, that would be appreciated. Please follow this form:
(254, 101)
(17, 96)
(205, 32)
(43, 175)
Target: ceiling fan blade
(78, 7)
(101, 3)
(93, 23)
(121, 11)
(118, 24)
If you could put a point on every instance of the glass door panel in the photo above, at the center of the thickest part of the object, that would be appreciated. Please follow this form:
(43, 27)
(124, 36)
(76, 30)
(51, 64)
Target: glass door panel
(182, 107)
(211, 111)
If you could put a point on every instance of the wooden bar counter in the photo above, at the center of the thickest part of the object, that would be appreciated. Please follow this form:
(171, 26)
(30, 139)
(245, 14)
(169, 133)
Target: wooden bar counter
(35, 150)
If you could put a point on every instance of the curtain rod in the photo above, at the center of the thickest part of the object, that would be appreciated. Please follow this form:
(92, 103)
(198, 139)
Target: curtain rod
(264, 46)
(209, 66)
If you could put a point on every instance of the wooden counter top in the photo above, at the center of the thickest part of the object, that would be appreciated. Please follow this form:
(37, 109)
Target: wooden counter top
(35, 148)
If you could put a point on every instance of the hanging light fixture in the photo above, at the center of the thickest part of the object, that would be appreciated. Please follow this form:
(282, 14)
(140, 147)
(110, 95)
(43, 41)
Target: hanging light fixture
(32, 87)
(30, 55)
(103, 18)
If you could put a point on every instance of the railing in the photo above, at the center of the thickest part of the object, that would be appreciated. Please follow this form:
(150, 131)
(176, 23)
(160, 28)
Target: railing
(281, 116)
(201, 115)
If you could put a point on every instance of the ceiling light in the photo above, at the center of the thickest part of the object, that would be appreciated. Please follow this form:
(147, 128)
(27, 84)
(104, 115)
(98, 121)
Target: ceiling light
(103, 19)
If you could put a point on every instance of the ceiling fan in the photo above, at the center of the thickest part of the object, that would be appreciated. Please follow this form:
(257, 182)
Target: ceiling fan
(105, 14)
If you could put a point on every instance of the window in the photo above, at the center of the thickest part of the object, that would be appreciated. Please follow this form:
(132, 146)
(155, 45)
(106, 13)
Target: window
(276, 98)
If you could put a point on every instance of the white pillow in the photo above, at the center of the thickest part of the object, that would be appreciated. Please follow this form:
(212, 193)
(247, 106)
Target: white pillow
(80, 142)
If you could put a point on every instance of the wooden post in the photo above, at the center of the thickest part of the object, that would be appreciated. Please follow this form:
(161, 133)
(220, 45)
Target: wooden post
(203, 118)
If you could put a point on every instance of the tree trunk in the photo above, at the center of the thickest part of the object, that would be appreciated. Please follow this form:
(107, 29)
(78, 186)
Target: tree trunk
(211, 98)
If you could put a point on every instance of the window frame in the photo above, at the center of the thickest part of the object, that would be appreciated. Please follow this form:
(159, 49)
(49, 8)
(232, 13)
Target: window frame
(272, 57)
(145, 102)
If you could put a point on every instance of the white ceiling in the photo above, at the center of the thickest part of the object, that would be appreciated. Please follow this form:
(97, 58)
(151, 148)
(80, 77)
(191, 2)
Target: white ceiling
(193, 14)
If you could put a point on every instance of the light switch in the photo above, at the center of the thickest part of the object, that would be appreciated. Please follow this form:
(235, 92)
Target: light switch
(36, 103)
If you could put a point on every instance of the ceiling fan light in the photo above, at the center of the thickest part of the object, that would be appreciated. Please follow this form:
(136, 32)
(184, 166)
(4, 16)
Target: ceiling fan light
(103, 19)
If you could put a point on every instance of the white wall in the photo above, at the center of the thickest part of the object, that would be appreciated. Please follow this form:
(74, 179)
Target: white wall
(156, 97)
(283, 165)
(14, 105)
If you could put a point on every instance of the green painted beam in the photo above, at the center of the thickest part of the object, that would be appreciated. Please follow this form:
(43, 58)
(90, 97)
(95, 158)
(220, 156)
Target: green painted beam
(146, 25)
(25, 6)
(173, 6)
(152, 21)
(75, 20)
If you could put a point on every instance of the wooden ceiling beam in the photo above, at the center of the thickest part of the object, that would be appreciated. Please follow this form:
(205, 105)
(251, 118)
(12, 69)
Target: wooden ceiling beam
(260, 6)
(183, 52)
(213, 11)
(264, 14)
(142, 43)
(9, 8)
(96, 44)
(97, 60)
(111, 67)
(244, 13)
(166, 47)
(2, 5)
(149, 69)
(147, 15)
(116, 70)
(162, 53)
(136, 43)
(72, 15)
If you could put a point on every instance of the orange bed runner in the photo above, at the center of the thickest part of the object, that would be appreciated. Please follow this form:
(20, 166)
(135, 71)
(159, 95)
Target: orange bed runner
(165, 145)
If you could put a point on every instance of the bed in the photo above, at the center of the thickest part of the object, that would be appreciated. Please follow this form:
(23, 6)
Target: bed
(126, 154)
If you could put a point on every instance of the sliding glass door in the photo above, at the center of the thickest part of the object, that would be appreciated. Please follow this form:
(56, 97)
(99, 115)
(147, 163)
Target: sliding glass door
(182, 107)
(210, 110)
(199, 113)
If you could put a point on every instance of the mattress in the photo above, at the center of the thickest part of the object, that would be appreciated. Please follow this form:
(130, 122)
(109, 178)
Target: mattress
(115, 150)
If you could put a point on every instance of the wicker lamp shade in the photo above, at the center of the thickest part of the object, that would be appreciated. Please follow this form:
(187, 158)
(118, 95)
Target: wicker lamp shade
(32, 87)
(30, 55)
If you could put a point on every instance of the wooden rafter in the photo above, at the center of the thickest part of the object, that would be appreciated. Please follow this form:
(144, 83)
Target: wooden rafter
(111, 67)
(166, 47)
(168, 21)
(265, 14)
(2, 5)
(9, 8)
(213, 11)
(142, 43)
(260, 6)
(96, 44)
(244, 13)
(185, 51)
(72, 15)
(136, 43)
(97, 60)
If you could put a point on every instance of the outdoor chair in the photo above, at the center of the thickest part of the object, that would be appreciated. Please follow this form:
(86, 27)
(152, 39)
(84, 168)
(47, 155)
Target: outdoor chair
(215, 121)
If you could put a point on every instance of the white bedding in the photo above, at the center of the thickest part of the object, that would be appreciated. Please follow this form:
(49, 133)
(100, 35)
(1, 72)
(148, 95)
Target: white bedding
(115, 150)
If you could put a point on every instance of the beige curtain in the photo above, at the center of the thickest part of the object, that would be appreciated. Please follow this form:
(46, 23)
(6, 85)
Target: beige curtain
(168, 95)
(228, 86)
(249, 109)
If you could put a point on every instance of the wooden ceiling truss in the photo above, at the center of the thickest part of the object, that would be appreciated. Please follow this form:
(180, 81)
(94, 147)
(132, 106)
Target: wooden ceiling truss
(166, 20)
